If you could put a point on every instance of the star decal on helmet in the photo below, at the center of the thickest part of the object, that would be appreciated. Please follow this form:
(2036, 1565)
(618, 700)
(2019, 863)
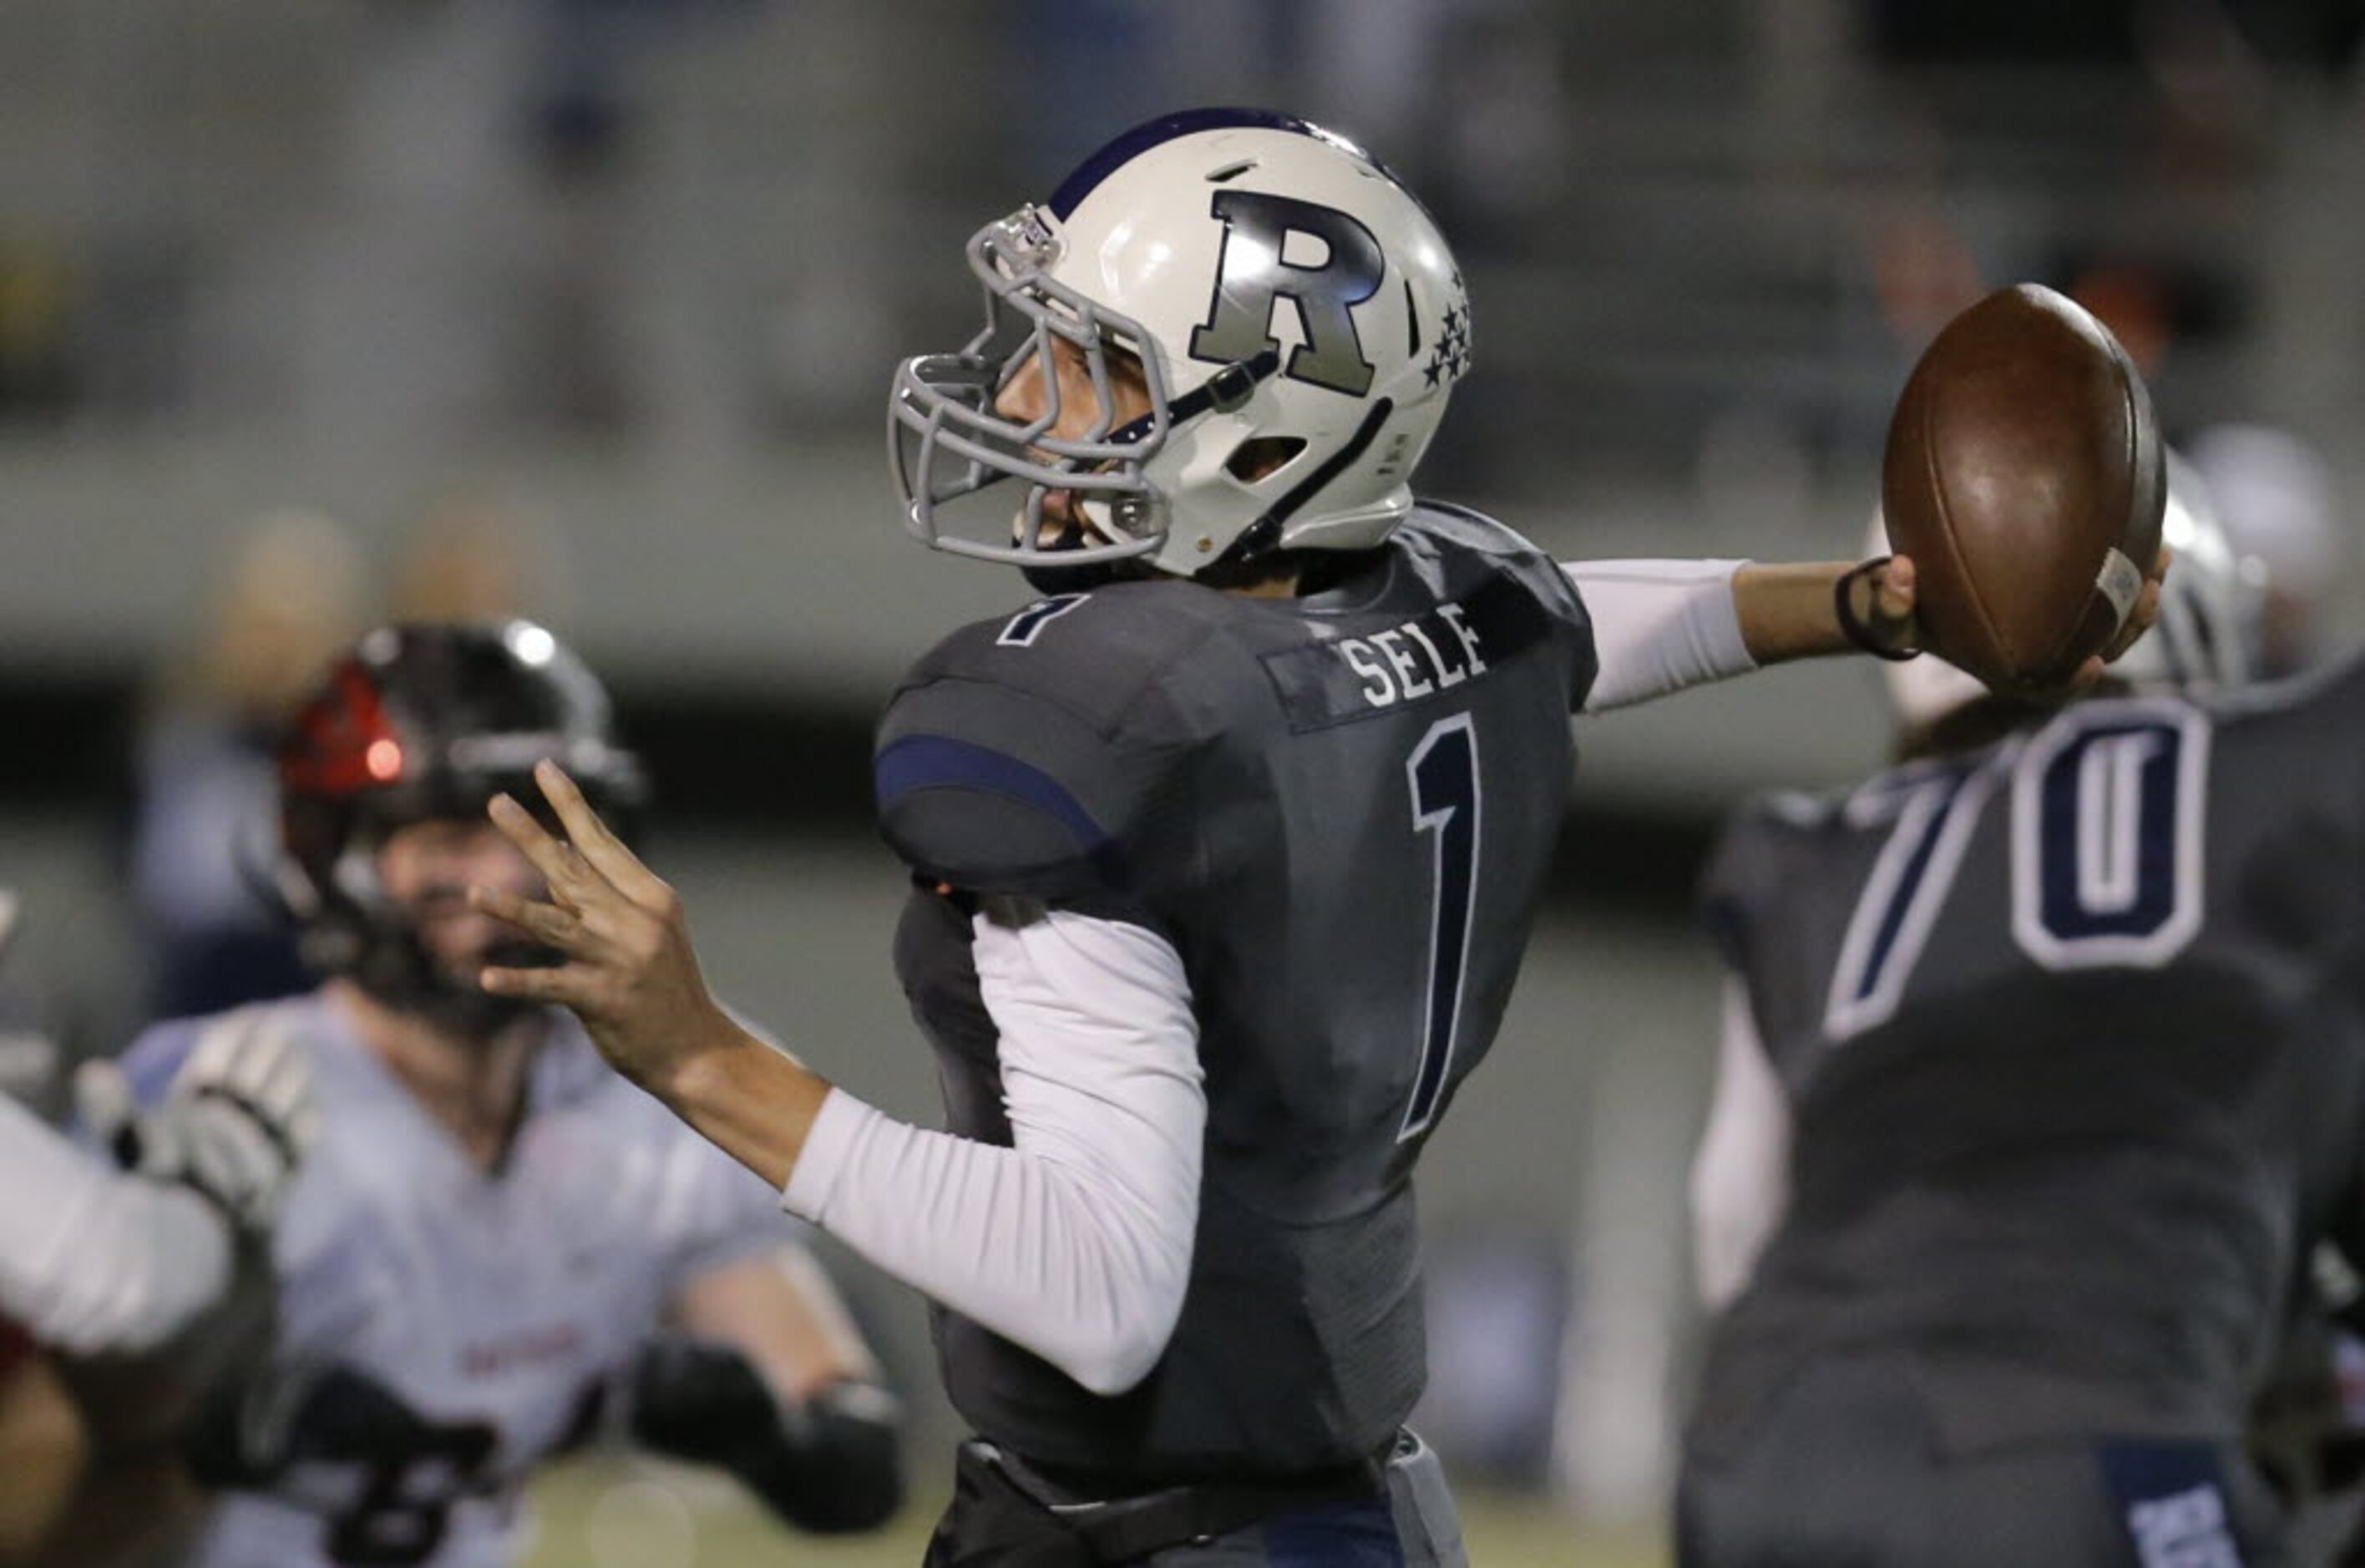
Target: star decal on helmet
(1450, 361)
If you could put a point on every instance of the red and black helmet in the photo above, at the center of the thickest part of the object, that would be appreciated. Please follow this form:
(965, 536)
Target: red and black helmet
(420, 723)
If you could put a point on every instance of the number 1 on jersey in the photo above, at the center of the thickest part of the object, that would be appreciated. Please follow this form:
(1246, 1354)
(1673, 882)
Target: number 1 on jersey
(1443, 774)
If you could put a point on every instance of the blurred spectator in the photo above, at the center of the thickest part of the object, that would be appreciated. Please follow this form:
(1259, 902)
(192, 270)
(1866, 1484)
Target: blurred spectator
(1923, 272)
(477, 555)
(2274, 495)
(202, 844)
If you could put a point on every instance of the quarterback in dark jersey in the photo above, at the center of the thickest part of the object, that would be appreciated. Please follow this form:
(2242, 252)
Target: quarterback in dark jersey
(2044, 1071)
(1225, 852)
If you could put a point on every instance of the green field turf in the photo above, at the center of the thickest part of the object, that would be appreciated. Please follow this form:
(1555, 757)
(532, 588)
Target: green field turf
(628, 1514)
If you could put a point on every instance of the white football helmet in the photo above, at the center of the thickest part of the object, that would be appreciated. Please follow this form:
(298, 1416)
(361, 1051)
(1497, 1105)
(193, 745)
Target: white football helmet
(2277, 498)
(2208, 636)
(1278, 288)
(2212, 627)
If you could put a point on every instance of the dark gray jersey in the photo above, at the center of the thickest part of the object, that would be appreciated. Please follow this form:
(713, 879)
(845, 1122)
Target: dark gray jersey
(2070, 1027)
(1340, 810)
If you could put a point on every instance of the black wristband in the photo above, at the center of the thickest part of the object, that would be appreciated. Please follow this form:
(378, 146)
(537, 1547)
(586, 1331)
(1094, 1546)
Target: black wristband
(1852, 627)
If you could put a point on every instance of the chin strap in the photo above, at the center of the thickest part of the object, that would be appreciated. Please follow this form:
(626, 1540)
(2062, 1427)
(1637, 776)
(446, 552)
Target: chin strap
(1229, 389)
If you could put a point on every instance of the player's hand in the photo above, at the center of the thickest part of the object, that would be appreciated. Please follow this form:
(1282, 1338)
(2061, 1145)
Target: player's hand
(2146, 610)
(630, 972)
(234, 1123)
(2139, 620)
(1881, 599)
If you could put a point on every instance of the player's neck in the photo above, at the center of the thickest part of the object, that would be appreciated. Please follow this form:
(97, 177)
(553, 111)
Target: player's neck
(475, 1088)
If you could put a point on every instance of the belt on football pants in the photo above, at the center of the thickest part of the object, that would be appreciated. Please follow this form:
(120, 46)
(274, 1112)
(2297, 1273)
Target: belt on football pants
(1012, 1514)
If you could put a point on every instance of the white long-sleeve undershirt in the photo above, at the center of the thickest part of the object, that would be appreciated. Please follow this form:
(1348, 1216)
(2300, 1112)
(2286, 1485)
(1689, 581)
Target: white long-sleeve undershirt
(93, 1260)
(1741, 1174)
(1075, 1241)
(1659, 626)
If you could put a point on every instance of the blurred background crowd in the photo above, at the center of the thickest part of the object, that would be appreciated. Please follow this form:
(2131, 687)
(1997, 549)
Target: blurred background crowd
(319, 312)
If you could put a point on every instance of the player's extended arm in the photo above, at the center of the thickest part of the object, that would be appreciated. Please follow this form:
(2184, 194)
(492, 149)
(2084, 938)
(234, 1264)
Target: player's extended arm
(1661, 627)
(93, 1260)
(1073, 1242)
(99, 1262)
(1788, 610)
(769, 1380)
(1741, 1175)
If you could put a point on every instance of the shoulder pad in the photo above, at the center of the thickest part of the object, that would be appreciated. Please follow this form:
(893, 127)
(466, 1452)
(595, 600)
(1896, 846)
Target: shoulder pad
(1444, 533)
(1024, 754)
(1092, 652)
(1470, 528)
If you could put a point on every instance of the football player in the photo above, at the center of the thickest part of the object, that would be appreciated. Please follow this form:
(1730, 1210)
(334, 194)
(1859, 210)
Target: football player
(497, 1248)
(1225, 853)
(2042, 1072)
(124, 1292)
(2277, 498)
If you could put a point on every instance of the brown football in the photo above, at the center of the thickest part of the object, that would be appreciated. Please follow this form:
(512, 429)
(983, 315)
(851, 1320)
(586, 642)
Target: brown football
(2024, 476)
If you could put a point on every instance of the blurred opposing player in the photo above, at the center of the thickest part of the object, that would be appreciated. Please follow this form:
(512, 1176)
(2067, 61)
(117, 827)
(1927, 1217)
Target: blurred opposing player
(124, 1292)
(1225, 854)
(497, 1247)
(2043, 1070)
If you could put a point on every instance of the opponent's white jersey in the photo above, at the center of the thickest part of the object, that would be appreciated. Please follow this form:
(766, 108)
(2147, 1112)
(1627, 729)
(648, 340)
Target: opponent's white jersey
(494, 1304)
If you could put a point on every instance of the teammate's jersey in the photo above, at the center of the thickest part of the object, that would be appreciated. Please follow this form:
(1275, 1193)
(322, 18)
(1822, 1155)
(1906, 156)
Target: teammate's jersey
(494, 1305)
(1340, 810)
(2069, 1028)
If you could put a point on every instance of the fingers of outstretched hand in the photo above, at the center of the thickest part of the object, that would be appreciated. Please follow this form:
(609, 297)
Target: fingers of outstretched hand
(567, 985)
(544, 921)
(573, 881)
(2139, 620)
(263, 1064)
(243, 1161)
(598, 842)
(2147, 607)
